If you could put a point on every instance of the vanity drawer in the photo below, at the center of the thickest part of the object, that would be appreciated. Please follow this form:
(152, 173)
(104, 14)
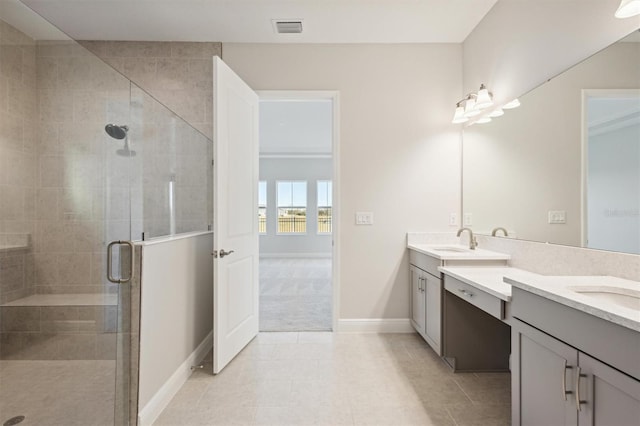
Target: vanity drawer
(424, 262)
(478, 298)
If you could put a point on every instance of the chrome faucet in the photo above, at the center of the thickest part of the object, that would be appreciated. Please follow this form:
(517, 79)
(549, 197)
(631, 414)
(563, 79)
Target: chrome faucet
(499, 228)
(473, 243)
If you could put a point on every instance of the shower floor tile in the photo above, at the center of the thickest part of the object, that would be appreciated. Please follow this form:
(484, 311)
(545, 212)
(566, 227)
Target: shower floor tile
(69, 393)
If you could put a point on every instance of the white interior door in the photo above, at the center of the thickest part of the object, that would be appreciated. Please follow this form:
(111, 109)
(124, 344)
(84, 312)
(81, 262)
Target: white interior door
(235, 222)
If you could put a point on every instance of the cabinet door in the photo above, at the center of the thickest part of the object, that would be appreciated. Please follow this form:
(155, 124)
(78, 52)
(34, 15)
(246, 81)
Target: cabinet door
(433, 307)
(417, 300)
(611, 398)
(542, 378)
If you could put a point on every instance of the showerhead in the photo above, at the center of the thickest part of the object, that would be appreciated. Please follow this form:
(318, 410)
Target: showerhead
(116, 132)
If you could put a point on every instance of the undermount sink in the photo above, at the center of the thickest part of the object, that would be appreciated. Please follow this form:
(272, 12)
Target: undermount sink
(450, 249)
(624, 297)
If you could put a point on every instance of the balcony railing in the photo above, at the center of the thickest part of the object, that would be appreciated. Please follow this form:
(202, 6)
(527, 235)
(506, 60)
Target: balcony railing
(292, 225)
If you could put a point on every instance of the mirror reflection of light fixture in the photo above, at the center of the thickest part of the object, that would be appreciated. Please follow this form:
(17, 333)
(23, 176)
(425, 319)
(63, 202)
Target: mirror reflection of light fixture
(511, 105)
(459, 117)
(496, 113)
(628, 8)
(483, 99)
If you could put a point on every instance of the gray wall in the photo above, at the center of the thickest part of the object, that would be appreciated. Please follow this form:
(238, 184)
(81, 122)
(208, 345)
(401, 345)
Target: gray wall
(311, 170)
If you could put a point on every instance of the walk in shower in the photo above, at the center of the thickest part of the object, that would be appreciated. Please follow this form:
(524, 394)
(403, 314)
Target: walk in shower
(86, 158)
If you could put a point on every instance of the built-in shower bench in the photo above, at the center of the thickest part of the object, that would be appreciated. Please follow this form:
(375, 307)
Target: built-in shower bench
(59, 326)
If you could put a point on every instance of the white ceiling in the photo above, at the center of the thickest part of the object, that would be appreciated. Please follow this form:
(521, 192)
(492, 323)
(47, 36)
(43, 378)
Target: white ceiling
(295, 127)
(250, 21)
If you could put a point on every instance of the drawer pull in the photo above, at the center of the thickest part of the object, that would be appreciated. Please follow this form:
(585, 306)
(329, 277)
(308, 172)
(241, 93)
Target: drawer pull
(465, 292)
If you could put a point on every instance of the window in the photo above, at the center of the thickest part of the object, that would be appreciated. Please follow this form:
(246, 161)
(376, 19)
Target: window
(292, 207)
(325, 197)
(262, 207)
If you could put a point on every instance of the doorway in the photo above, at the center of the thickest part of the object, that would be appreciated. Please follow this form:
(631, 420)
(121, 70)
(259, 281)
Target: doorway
(297, 204)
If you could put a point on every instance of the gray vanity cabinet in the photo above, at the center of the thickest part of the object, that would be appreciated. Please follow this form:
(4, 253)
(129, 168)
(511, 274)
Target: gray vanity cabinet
(556, 384)
(612, 398)
(426, 298)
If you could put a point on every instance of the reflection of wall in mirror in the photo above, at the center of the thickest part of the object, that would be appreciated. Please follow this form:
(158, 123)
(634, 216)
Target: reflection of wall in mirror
(528, 162)
(613, 182)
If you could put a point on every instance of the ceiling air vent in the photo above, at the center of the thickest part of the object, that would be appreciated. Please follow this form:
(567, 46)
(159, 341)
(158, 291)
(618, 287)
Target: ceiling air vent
(288, 26)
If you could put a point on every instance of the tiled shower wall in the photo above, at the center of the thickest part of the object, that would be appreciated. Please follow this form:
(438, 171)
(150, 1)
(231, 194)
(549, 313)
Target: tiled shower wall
(18, 160)
(178, 74)
(77, 95)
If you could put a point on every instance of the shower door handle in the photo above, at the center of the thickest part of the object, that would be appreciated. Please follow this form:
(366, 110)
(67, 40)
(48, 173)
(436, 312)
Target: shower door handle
(110, 261)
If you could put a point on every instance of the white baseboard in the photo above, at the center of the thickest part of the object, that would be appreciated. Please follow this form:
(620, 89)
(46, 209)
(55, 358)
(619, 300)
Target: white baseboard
(295, 255)
(377, 325)
(150, 412)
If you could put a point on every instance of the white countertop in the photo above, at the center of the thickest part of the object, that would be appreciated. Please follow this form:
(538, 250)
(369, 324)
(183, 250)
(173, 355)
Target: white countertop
(486, 278)
(439, 251)
(556, 288)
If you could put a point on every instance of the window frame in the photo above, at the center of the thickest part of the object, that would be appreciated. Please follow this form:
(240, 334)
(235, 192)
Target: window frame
(266, 203)
(305, 207)
(330, 206)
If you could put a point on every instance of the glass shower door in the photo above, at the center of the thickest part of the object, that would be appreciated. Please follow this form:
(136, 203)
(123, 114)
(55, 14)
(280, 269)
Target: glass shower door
(120, 275)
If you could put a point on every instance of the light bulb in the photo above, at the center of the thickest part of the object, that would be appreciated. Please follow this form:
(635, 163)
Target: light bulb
(483, 120)
(628, 8)
(459, 117)
(511, 105)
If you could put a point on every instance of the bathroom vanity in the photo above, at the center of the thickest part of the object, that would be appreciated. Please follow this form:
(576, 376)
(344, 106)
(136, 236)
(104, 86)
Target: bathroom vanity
(575, 350)
(436, 313)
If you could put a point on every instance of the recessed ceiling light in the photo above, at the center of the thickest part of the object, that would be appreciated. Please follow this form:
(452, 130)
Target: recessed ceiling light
(287, 26)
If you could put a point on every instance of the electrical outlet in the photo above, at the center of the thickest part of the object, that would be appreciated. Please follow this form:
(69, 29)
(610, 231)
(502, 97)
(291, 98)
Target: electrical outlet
(468, 219)
(453, 219)
(364, 218)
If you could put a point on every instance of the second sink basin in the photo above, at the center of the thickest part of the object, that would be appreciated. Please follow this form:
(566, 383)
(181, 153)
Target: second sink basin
(624, 297)
(450, 249)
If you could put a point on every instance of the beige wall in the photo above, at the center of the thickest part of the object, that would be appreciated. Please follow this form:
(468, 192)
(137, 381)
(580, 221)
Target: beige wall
(178, 74)
(521, 43)
(399, 156)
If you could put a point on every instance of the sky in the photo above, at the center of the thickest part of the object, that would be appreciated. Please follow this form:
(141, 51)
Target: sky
(294, 193)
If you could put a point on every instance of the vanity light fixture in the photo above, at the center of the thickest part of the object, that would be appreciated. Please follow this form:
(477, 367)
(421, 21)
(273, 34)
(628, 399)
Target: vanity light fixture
(484, 98)
(511, 105)
(628, 8)
(483, 120)
(473, 105)
(459, 117)
(470, 109)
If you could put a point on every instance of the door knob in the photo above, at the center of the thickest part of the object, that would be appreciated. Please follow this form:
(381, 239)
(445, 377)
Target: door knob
(225, 253)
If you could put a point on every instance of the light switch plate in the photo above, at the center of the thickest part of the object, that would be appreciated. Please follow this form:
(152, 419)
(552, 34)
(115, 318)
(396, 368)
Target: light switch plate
(557, 216)
(468, 219)
(364, 218)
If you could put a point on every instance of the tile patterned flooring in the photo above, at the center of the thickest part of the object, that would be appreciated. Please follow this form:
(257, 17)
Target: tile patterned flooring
(295, 294)
(324, 378)
(58, 393)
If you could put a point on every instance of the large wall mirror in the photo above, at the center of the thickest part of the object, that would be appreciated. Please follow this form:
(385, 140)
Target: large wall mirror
(564, 167)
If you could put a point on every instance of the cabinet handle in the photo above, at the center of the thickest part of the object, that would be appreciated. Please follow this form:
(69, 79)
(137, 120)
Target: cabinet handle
(579, 401)
(565, 392)
(465, 292)
(424, 281)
